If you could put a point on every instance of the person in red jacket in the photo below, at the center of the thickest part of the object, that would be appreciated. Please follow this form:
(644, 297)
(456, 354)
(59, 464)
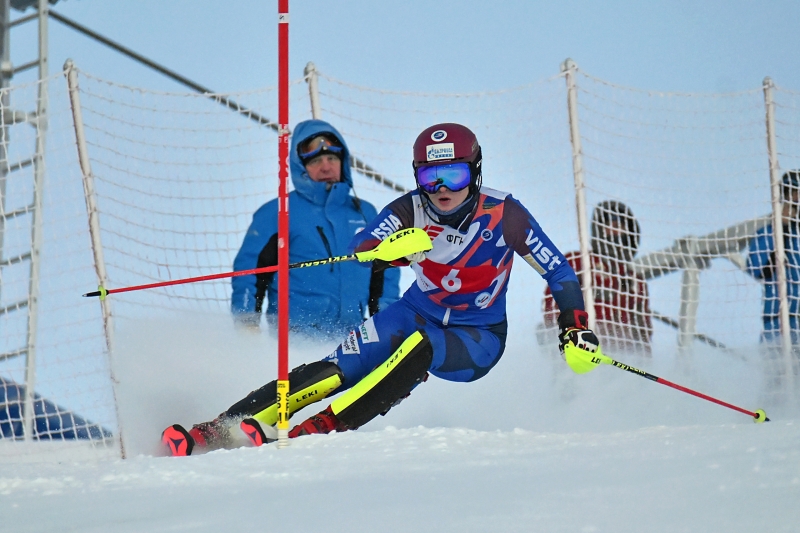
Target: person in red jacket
(622, 306)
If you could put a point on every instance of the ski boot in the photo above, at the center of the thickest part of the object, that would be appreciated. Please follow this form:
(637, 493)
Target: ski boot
(177, 440)
(374, 395)
(257, 433)
(323, 422)
(208, 435)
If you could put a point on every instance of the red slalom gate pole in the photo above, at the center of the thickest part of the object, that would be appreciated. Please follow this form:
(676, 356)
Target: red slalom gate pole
(283, 224)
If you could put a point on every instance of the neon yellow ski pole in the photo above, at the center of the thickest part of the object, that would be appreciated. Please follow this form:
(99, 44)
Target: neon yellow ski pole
(399, 244)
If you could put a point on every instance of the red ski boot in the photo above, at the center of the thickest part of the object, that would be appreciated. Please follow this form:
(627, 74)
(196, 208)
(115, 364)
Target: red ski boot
(323, 422)
(209, 435)
(178, 441)
(256, 432)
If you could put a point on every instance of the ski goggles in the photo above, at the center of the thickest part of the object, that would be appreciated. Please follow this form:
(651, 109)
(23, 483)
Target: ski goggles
(308, 150)
(455, 176)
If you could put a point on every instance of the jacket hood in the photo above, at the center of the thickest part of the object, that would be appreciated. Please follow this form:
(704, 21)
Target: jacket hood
(311, 190)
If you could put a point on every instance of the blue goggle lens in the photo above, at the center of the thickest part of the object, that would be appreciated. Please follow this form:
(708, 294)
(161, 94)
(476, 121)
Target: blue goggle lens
(455, 177)
(317, 145)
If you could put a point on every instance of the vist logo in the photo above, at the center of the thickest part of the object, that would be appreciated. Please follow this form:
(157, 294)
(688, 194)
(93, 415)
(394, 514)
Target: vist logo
(437, 152)
(542, 253)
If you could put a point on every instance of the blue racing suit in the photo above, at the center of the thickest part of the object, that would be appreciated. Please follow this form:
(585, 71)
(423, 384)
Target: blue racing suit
(326, 300)
(761, 265)
(459, 296)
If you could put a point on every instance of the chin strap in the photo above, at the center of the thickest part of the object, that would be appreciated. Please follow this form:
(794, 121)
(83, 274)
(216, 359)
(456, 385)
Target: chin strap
(456, 218)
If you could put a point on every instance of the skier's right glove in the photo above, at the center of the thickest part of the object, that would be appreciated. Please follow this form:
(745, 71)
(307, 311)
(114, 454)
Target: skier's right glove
(573, 328)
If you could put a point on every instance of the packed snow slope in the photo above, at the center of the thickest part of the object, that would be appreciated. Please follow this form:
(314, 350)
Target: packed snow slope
(530, 447)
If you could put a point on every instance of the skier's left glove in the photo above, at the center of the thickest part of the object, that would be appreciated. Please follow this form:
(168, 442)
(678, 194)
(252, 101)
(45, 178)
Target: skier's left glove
(573, 328)
(585, 339)
(416, 257)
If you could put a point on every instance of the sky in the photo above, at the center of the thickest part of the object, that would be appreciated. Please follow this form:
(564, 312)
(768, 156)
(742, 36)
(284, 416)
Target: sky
(447, 46)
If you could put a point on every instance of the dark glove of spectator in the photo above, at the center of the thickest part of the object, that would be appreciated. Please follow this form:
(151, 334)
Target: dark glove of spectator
(573, 328)
(769, 269)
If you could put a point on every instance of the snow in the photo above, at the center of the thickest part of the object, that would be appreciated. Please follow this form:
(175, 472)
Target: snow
(530, 447)
(733, 477)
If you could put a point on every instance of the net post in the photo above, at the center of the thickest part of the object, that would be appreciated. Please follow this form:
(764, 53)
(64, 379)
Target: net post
(690, 296)
(90, 197)
(568, 68)
(777, 232)
(42, 112)
(312, 79)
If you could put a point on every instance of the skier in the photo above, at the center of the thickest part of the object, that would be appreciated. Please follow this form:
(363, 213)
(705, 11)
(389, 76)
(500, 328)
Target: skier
(621, 300)
(325, 302)
(450, 323)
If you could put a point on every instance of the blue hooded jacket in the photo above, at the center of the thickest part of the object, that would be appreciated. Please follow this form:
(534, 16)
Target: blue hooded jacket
(329, 299)
(760, 264)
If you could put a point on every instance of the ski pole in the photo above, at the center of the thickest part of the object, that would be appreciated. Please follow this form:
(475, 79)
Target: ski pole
(583, 361)
(399, 244)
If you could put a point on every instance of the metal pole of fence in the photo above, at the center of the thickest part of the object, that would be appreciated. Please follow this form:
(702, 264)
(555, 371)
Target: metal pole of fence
(42, 113)
(568, 68)
(777, 232)
(313, 89)
(690, 298)
(94, 228)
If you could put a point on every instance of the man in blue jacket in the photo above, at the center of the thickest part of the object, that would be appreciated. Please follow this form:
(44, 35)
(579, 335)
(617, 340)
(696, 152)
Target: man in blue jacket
(324, 301)
(761, 263)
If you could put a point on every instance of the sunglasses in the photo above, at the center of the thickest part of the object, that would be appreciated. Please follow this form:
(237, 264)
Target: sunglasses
(455, 177)
(317, 145)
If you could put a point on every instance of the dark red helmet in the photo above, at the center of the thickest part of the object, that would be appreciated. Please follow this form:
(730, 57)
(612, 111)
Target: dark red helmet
(443, 144)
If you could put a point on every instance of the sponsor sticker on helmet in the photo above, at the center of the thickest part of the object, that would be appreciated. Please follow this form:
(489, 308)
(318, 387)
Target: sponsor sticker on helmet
(438, 135)
(436, 152)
